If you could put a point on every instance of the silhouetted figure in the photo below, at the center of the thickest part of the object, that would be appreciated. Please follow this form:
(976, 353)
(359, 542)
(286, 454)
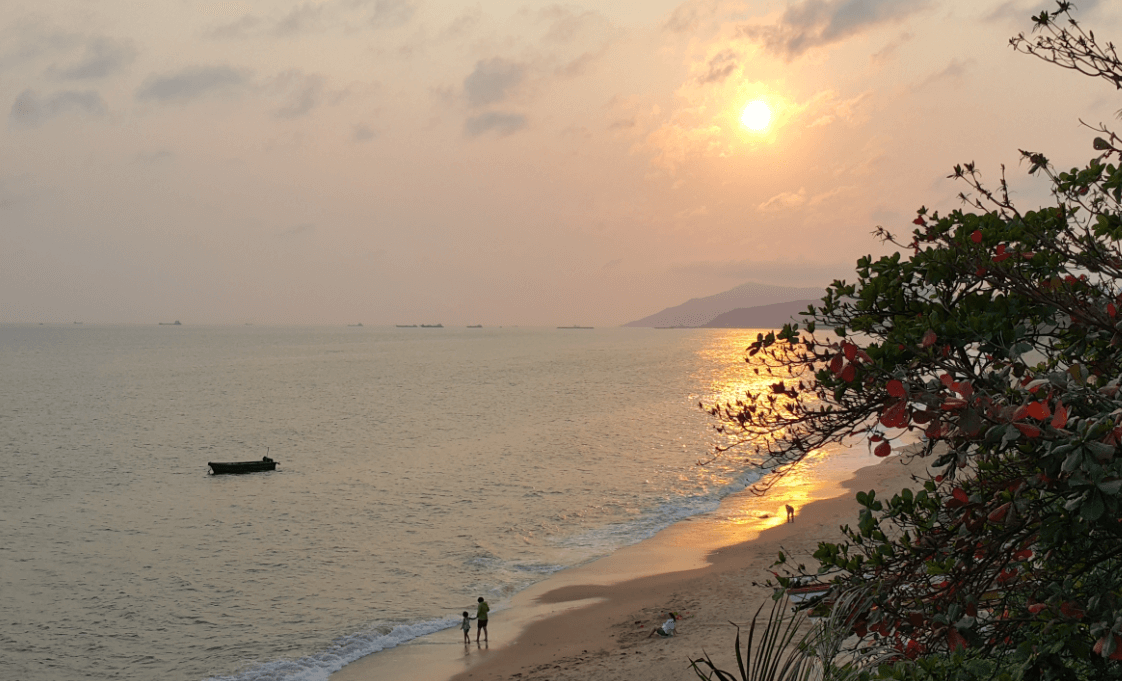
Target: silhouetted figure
(790, 513)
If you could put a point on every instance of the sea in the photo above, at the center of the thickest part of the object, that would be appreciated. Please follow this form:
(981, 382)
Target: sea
(419, 468)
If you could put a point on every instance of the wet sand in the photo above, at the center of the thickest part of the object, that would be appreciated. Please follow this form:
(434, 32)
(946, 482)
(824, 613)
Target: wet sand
(593, 622)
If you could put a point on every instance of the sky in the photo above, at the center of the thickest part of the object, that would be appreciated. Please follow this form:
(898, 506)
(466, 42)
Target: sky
(497, 162)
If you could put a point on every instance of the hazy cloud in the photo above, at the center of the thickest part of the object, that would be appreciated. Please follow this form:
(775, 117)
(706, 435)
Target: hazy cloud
(303, 92)
(954, 71)
(30, 109)
(363, 132)
(492, 80)
(103, 57)
(783, 201)
(190, 83)
(300, 20)
(237, 29)
(502, 124)
(721, 66)
(392, 13)
(815, 23)
(465, 23)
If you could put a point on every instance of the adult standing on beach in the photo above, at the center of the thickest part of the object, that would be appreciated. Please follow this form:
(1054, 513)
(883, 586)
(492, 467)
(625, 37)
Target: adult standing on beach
(481, 617)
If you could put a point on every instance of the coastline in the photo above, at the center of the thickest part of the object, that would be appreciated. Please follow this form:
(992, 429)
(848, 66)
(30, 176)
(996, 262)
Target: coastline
(592, 621)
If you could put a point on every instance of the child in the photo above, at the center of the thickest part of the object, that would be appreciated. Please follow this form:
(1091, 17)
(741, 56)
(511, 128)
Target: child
(667, 628)
(466, 626)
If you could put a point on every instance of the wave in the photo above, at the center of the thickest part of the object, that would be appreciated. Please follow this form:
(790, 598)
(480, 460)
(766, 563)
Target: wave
(319, 666)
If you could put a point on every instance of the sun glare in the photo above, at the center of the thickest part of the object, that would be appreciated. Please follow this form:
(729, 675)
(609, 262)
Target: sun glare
(756, 115)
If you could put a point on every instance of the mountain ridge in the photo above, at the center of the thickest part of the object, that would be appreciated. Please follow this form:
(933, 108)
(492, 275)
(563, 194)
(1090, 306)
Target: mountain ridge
(700, 312)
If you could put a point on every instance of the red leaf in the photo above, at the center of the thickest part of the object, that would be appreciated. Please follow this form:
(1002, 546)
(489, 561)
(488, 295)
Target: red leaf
(849, 373)
(883, 449)
(896, 389)
(1039, 410)
(1027, 429)
(928, 339)
(1035, 608)
(1023, 554)
(980, 272)
(947, 380)
(836, 364)
(952, 403)
(976, 237)
(850, 351)
(1060, 419)
(960, 494)
(1111, 310)
(1020, 412)
(919, 221)
(998, 514)
(966, 388)
(1003, 256)
(895, 416)
(1072, 610)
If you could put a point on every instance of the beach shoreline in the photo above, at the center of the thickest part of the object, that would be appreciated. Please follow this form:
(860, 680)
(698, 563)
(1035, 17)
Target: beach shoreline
(593, 621)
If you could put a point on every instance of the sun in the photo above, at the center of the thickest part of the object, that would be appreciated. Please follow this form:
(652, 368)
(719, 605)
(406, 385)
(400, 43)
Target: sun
(756, 115)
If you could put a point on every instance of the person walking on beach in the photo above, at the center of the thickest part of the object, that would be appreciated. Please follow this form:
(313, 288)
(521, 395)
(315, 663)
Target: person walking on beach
(466, 626)
(790, 513)
(667, 628)
(481, 615)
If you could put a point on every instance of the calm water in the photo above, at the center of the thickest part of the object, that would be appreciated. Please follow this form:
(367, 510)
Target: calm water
(420, 468)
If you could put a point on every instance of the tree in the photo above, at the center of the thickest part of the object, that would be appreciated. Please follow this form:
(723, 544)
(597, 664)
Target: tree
(998, 338)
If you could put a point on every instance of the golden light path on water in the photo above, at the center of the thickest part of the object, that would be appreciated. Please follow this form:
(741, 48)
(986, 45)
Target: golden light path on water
(818, 476)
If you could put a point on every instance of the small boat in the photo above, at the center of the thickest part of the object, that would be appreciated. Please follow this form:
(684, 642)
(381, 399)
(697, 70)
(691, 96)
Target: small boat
(574, 327)
(359, 324)
(406, 326)
(265, 464)
(432, 326)
(475, 326)
(175, 323)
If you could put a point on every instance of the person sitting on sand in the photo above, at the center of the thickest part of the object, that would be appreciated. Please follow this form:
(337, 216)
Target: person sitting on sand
(481, 615)
(667, 628)
(466, 626)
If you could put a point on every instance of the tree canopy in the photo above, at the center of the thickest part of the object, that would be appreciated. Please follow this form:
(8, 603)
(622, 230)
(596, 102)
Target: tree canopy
(995, 335)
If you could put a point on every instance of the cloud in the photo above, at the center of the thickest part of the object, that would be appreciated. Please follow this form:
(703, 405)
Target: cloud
(721, 66)
(190, 83)
(300, 20)
(817, 23)
(236, 29)
(392, 13)
(30, 109)
(103, 57)
(954, 71)
(783, 201)
(502, 124)
(492, 80)
(465, 23)
(303, 92)
(363, 132)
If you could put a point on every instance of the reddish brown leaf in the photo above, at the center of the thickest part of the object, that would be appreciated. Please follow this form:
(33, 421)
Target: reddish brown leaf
(850, 351)
(849, 373)
(883, 449)
(896, 389)
(976, 237)
(1038, 410)
(1027, 429)
(998, 514)
(928, 339)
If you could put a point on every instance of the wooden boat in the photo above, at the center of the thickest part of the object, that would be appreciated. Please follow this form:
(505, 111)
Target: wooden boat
(265, 464)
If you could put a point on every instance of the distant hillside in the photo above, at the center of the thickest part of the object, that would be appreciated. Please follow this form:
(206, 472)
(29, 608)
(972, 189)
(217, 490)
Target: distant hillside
(701, 311)
(761, 317)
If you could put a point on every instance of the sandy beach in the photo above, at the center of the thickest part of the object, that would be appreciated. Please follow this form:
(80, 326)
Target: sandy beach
(593, 622)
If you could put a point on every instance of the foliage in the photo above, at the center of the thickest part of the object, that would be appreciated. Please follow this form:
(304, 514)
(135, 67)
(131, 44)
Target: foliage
(997, 338)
